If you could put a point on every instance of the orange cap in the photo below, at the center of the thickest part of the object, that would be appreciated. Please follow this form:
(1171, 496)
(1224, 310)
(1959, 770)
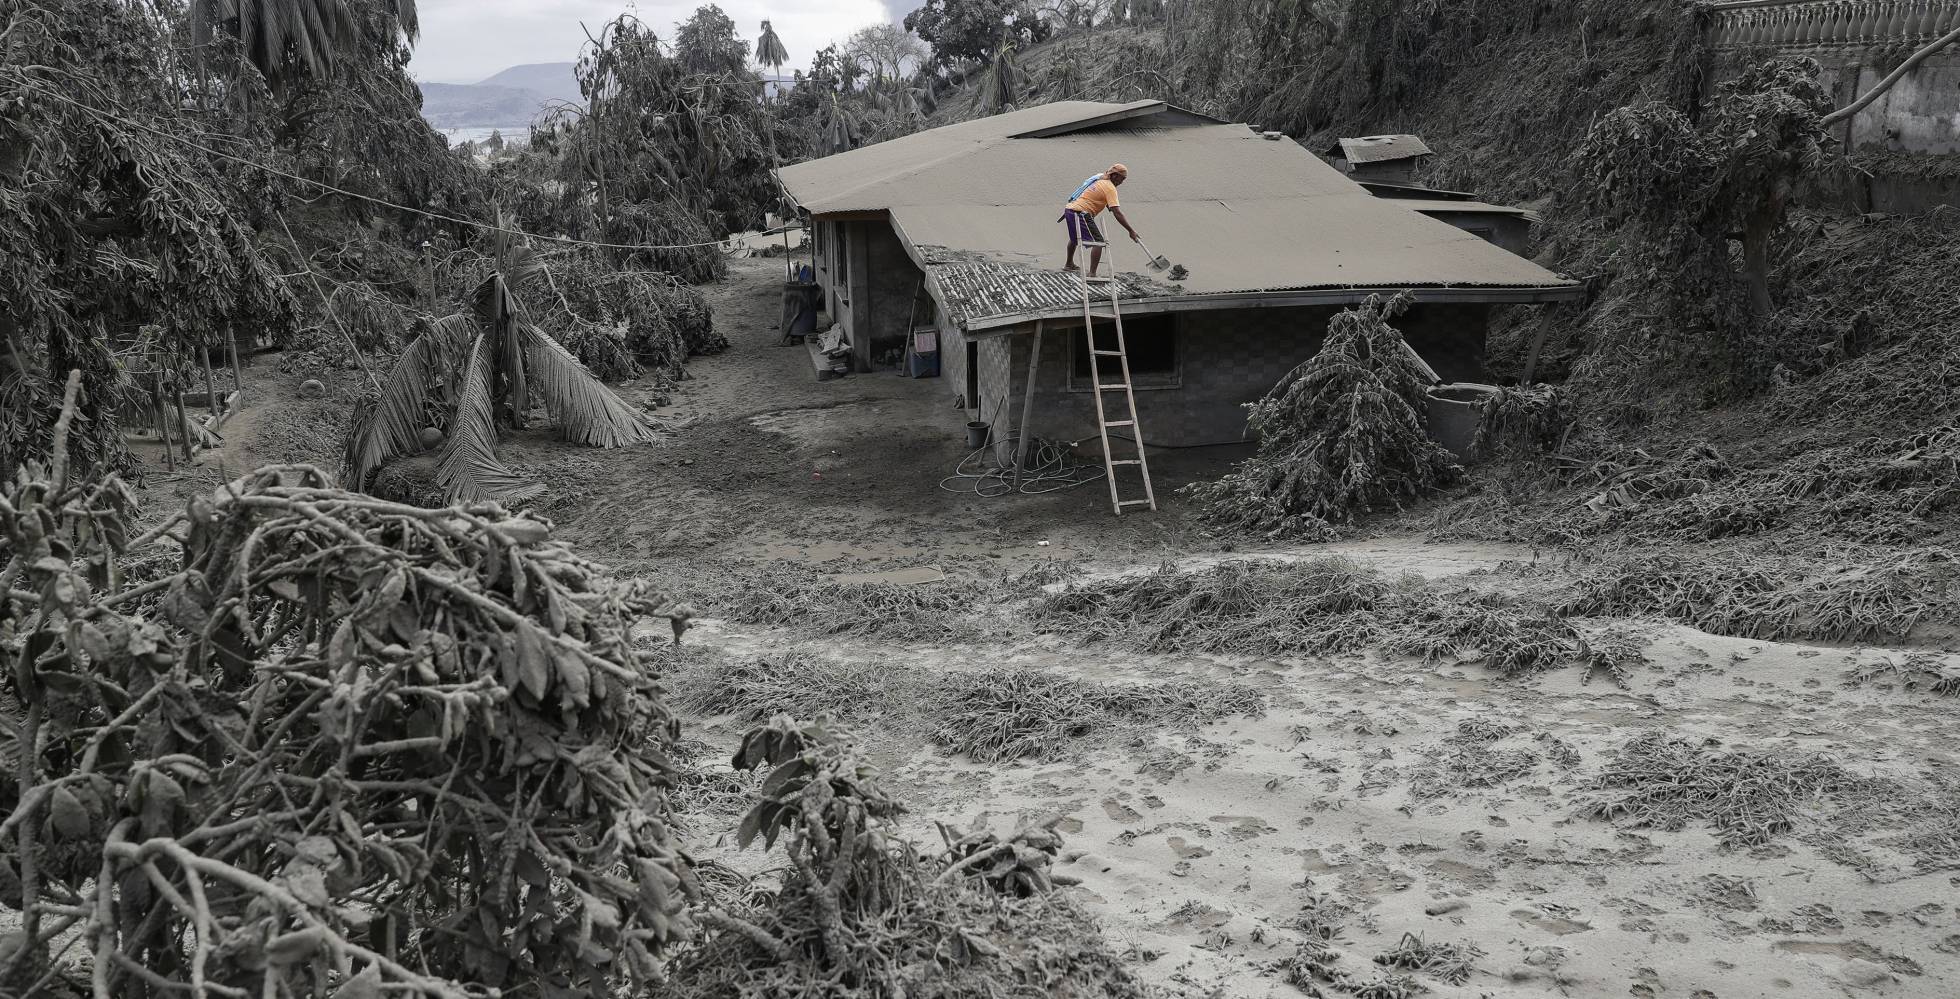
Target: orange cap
(1119, 168)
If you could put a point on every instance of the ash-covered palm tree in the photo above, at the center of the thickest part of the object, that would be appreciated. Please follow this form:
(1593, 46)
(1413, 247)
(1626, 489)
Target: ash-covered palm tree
(769, 51)
(281, 36)
(1005, 81)
(480, 368)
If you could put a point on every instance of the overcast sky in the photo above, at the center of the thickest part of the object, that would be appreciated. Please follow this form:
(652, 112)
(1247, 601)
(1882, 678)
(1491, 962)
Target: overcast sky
(464, 41)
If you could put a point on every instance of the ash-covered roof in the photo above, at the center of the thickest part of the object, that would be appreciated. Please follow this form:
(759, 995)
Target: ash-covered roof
(1380, 148)
(1245, 215)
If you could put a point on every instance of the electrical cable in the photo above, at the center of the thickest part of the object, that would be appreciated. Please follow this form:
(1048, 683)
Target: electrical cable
(1052, 468)
(437, 216)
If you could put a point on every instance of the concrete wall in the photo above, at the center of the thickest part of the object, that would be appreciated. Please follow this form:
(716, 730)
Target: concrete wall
(894, 281)
(841, 270)
(1916, 123)
(1225, 359)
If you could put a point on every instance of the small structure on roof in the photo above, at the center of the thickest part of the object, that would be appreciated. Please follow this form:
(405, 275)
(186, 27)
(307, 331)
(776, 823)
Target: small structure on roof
(1384, 166)
(1391, 158)
(954, 231)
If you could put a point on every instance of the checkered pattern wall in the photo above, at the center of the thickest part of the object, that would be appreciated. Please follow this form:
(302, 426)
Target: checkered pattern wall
(1225, 359)
(952, 362)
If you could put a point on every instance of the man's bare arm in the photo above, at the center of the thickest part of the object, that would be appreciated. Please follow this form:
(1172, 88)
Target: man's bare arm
(1118, 212)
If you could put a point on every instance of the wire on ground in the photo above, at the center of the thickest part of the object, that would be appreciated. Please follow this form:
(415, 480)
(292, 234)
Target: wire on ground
(1051, 468)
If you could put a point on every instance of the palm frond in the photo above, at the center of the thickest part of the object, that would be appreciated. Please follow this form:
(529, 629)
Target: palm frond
(470, 470)
(520, 265)
(393, 426)
(403, 12)
(586, 410)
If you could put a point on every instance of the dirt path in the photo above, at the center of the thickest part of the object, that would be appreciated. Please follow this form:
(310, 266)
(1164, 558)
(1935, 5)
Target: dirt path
(1370, 799)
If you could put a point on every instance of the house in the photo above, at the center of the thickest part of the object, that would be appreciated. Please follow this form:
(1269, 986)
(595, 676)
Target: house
(954, 230)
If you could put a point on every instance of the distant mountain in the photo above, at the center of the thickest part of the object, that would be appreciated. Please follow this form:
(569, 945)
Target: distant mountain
(511, 99)
(508, 100)
(552, 80)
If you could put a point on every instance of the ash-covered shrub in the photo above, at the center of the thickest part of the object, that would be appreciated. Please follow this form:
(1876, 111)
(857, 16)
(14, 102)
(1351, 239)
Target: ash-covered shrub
(1340, 436)
(342, 747)
(858, 911)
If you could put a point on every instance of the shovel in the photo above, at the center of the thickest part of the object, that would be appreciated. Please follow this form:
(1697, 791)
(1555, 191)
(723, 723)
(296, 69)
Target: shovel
(1157, 263)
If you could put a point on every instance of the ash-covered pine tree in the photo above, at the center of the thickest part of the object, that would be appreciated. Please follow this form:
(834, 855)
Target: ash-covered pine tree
(1341, 435)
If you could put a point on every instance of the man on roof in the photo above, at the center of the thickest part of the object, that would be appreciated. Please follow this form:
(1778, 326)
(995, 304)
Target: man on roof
(1095, 194)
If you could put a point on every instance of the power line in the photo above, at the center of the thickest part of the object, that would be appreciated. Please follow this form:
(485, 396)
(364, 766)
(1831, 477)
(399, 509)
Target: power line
(438, 216)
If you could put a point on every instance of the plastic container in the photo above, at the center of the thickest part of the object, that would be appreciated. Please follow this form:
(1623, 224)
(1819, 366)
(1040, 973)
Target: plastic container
(976, 434)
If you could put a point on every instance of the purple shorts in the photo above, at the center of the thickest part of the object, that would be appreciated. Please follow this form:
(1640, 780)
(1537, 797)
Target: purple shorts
(1082, 228)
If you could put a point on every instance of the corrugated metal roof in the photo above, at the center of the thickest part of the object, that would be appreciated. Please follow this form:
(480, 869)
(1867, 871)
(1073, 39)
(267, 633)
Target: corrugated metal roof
(1380, 148)
(1241, 213)
(973, 286)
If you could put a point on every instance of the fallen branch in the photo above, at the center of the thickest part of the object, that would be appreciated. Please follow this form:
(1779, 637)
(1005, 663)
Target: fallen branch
(1912, 62)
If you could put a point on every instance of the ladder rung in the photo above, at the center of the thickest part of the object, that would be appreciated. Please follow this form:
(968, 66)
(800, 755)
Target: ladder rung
(1135, 503)
(1090, 242)
(1108, 353)
(1126, 461)
(1098, 280)
(1113, 386)
(1121, 423)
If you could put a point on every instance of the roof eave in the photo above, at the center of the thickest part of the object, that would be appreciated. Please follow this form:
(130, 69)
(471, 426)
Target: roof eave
(1002, 325)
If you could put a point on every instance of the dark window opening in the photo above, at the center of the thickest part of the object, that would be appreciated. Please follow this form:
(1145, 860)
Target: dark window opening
(1151, 342)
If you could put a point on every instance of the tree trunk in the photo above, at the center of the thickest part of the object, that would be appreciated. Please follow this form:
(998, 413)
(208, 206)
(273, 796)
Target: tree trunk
(1756, 233)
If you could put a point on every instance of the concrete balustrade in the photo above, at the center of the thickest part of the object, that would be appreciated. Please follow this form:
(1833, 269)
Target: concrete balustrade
(1823, 23)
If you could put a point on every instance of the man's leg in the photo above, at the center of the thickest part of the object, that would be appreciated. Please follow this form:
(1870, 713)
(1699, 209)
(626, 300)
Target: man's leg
(1095, 259)
(1073, 238)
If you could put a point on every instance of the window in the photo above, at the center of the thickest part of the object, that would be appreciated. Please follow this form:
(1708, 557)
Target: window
(1152, 344)
(843, 248)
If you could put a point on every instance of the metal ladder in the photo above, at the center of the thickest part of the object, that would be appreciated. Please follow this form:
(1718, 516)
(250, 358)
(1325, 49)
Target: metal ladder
(1103, 423)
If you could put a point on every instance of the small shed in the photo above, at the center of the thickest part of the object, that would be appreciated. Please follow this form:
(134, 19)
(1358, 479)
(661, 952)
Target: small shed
(1391, 158)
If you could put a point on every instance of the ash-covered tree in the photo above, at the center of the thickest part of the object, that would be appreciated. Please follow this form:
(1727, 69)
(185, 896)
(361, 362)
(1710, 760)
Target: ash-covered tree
(1342, 435)
(357, 124)
(1682, 190)
(769, 50)
(706, 44)
(282, 39)
(109, 226)
(338, 747)
(975, 30)
(477, 371)
(671, 148)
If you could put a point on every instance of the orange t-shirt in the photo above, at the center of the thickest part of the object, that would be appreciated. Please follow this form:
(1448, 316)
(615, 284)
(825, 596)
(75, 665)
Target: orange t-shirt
(1100, 195)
